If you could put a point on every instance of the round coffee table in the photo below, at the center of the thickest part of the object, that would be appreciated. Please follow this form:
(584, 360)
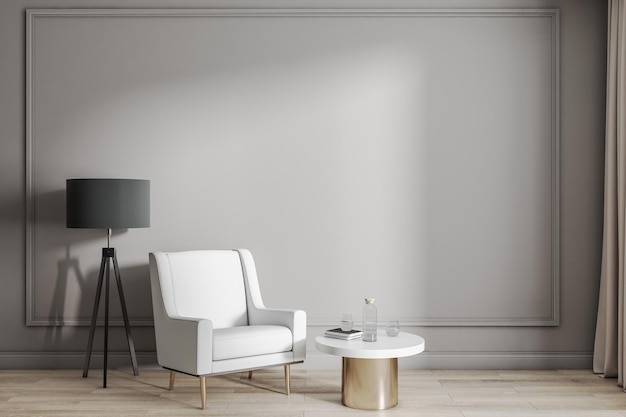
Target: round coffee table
(369, 371)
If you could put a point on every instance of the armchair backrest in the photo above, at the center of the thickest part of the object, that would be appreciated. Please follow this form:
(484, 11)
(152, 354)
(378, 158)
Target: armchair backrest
(207, 284)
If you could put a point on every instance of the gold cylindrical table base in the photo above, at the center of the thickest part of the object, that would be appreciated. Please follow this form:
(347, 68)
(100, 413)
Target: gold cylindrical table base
(369, 384)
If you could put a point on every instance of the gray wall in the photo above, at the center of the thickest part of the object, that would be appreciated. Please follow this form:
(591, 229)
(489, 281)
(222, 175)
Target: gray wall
(204, 213)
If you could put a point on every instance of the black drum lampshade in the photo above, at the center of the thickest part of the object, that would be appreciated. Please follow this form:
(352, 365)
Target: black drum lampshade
(104, 203)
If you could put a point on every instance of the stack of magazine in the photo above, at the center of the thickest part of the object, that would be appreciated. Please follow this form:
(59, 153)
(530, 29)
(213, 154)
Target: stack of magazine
(344, 335)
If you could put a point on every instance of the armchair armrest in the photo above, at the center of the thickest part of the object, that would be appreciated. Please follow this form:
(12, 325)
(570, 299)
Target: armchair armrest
(295, 320)
(185, 344)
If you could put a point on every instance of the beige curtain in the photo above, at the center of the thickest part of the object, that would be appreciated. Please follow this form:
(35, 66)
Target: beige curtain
(609, 355)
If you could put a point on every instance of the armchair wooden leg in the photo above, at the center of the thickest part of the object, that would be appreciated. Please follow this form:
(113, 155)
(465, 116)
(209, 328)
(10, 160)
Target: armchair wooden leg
(172, 379)
(249, 374)
(203, 392)
(287, 381)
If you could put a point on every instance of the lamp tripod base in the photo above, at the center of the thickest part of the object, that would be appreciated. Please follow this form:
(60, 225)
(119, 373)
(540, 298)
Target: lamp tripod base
(103, 278)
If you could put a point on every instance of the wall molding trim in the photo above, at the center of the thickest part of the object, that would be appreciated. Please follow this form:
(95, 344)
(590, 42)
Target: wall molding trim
(551, 319)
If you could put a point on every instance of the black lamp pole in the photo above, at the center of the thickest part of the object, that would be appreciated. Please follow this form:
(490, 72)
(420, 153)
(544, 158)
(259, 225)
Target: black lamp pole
(108, 203)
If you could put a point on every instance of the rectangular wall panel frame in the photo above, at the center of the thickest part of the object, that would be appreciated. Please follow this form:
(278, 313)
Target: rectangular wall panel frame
(35, 15)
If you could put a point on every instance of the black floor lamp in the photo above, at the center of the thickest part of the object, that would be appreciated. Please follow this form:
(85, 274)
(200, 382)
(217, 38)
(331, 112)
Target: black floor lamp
(103, 203)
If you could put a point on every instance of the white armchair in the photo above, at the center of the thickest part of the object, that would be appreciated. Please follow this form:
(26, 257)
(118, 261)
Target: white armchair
(209, 318)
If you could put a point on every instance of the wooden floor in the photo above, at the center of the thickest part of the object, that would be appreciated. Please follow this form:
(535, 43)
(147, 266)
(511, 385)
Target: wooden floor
(314, 394)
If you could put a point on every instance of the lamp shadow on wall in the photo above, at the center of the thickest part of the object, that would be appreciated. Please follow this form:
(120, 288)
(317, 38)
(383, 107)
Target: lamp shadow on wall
(49, 213)
(65, 266)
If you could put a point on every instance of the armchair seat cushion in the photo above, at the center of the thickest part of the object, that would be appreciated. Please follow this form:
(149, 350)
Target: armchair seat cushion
(243, 341)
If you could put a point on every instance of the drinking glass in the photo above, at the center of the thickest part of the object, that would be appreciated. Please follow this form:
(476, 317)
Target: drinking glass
(346, 322)
(393, 328)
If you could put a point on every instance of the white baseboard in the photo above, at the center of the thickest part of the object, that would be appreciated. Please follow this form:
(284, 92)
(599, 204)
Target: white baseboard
(319, 361)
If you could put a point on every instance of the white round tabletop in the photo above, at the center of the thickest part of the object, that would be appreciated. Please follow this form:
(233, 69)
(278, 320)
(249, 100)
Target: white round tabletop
(405, 344)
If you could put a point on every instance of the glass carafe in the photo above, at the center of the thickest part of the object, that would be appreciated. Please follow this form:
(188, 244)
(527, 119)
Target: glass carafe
(370, 323)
